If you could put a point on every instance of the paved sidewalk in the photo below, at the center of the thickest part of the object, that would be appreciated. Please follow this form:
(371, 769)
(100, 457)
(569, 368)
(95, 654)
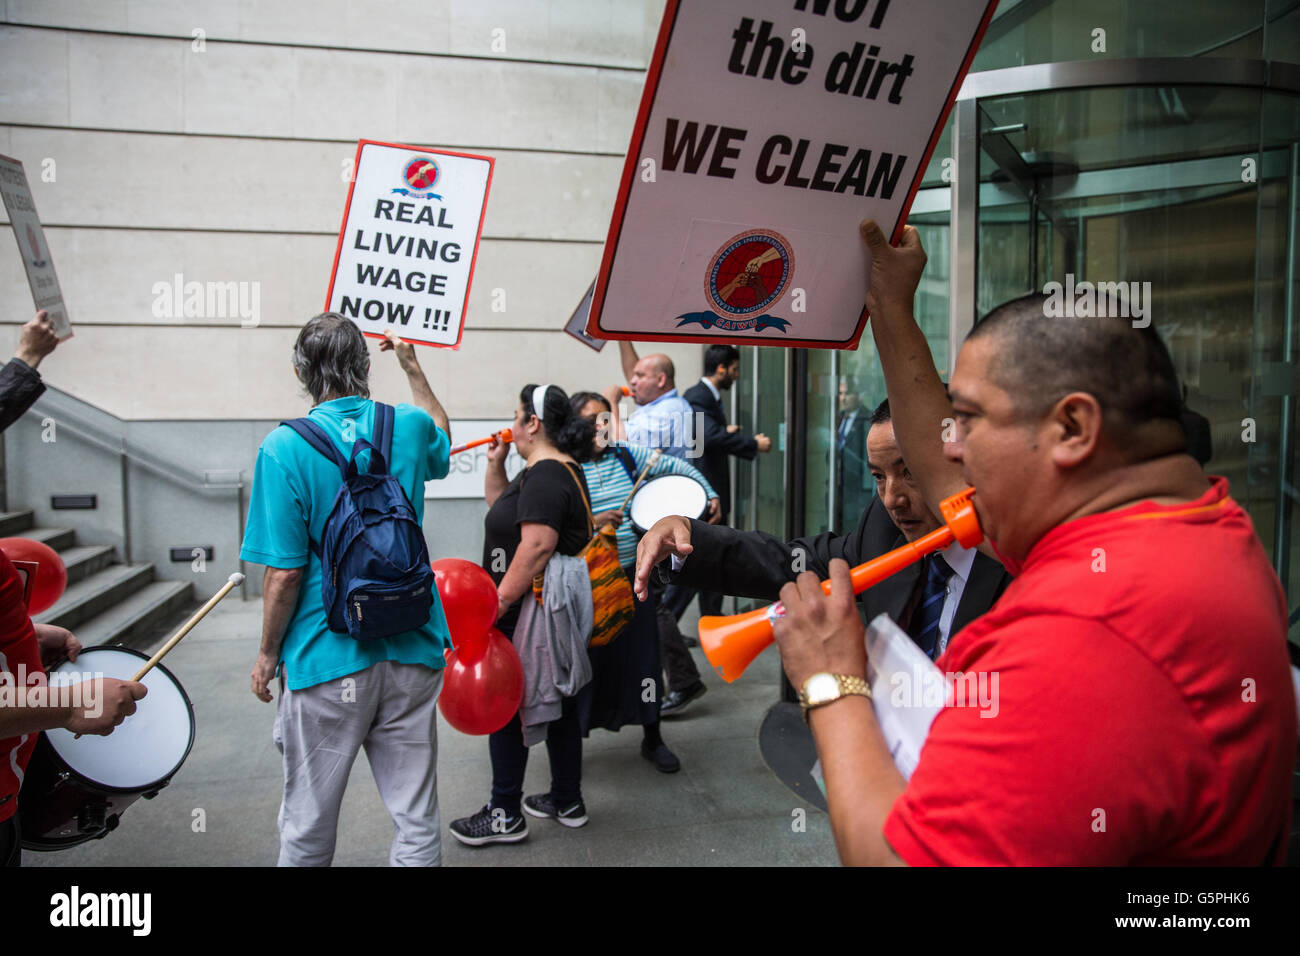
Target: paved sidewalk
(724, 808)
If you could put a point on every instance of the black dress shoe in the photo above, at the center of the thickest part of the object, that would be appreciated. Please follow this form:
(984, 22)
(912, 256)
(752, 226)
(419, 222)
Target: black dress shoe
(675, 701)
(665, 760)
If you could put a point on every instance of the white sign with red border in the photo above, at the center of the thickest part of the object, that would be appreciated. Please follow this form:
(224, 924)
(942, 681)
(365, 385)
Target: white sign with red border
(409, 240)
(768, 130)
(37, 261)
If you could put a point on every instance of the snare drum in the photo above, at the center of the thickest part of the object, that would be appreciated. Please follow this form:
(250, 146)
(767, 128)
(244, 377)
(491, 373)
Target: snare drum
(76, 790)
(664, 496)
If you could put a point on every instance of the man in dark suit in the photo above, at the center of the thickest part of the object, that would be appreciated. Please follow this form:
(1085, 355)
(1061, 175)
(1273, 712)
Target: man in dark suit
(720, 440)
(721, 370)
(852, 474)
(932, 599)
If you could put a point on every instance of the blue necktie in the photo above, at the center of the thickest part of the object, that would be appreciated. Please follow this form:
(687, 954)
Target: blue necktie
(925, 622)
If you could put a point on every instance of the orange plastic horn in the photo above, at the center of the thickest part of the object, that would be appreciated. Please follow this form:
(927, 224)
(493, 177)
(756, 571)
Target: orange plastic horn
(625, 390)
(505, 435)
(732, 643)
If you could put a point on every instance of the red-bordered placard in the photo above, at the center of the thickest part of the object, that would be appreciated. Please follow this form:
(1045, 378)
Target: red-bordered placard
(403, 243)
(937, 35)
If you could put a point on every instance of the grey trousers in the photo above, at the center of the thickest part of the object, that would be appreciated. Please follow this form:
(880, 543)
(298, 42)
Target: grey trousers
(390, 710)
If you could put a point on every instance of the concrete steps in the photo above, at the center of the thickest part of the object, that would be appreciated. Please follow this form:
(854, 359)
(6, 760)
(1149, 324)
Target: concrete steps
(95, 594)
(106, 602)
(85, 560)
(136, 620)
(14, 523)
(60, 539)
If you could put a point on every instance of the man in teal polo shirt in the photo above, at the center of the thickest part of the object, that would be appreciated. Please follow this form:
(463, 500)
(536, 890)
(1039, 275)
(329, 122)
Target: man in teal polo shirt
(337, 694)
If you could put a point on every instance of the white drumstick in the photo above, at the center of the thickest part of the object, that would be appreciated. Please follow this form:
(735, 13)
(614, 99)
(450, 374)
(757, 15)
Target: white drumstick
(235, 580)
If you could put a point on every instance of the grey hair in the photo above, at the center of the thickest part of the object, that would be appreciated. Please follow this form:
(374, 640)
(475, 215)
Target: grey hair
(331, 358)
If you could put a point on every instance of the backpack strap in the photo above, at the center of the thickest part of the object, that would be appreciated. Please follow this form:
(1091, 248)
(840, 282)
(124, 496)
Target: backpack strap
(625, 456)
(649, 465)
(381, 449)
(582, 490)
(315, 436)
(384, 419)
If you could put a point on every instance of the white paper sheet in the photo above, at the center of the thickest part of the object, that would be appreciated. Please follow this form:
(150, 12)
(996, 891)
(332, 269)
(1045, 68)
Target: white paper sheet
(907, 692)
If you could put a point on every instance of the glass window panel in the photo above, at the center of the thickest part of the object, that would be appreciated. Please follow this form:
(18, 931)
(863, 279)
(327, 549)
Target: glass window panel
(1192, 202)
(1051, 31)
(760, 486)
(821, 423)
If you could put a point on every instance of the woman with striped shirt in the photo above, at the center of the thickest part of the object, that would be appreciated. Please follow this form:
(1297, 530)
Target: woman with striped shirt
(628, 667)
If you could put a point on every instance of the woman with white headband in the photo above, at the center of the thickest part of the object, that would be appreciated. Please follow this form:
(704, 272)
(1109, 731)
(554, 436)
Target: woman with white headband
(541, 513)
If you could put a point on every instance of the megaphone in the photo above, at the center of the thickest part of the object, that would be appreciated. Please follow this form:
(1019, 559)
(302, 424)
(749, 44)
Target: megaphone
(506, 435)
(732, 643)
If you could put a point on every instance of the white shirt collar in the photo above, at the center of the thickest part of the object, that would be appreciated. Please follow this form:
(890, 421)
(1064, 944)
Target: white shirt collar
(960, 559)
(712, 388)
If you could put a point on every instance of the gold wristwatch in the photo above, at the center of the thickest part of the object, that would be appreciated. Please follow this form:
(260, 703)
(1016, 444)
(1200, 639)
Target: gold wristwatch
(824, 688)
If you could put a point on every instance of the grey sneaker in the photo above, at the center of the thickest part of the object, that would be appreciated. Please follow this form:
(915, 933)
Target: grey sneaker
(541, 805)
(489, 826)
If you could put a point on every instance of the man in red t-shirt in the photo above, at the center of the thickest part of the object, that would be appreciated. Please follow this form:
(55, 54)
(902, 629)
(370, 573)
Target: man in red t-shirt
(1142, 708)
(25, 649)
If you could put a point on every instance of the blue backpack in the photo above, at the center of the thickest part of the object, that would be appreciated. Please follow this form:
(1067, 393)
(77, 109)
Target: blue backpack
(376, 580)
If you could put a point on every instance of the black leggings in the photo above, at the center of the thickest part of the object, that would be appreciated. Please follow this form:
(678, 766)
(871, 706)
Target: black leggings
(510, 760)
(510, 756)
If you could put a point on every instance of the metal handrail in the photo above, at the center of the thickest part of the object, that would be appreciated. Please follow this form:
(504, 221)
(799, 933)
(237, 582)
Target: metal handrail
(82, 428)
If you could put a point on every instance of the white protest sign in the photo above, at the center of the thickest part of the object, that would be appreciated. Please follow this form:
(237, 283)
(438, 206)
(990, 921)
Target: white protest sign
(768, 130)
(17, 196)
(469, 468)
(409, 240)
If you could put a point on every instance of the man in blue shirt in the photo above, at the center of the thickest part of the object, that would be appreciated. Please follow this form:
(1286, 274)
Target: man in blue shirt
(663, 419)
(337, 694)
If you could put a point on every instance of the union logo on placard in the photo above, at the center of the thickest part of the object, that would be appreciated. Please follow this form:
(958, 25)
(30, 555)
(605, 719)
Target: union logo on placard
(750, 273)
(746, 278)
(420, 173)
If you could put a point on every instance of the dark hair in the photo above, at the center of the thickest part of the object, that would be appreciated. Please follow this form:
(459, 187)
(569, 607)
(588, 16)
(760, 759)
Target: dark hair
(1040, 359)
(567, 431)
(331, 358)
(579, 400)
(881, 414)
(716, 355)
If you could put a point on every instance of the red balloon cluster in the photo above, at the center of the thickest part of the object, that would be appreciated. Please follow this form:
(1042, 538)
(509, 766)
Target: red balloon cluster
(483, 682)
(51, 575)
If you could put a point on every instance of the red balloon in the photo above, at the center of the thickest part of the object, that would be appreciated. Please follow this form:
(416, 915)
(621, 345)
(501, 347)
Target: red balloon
(51, 575)
(481, 697)
(469, 600)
